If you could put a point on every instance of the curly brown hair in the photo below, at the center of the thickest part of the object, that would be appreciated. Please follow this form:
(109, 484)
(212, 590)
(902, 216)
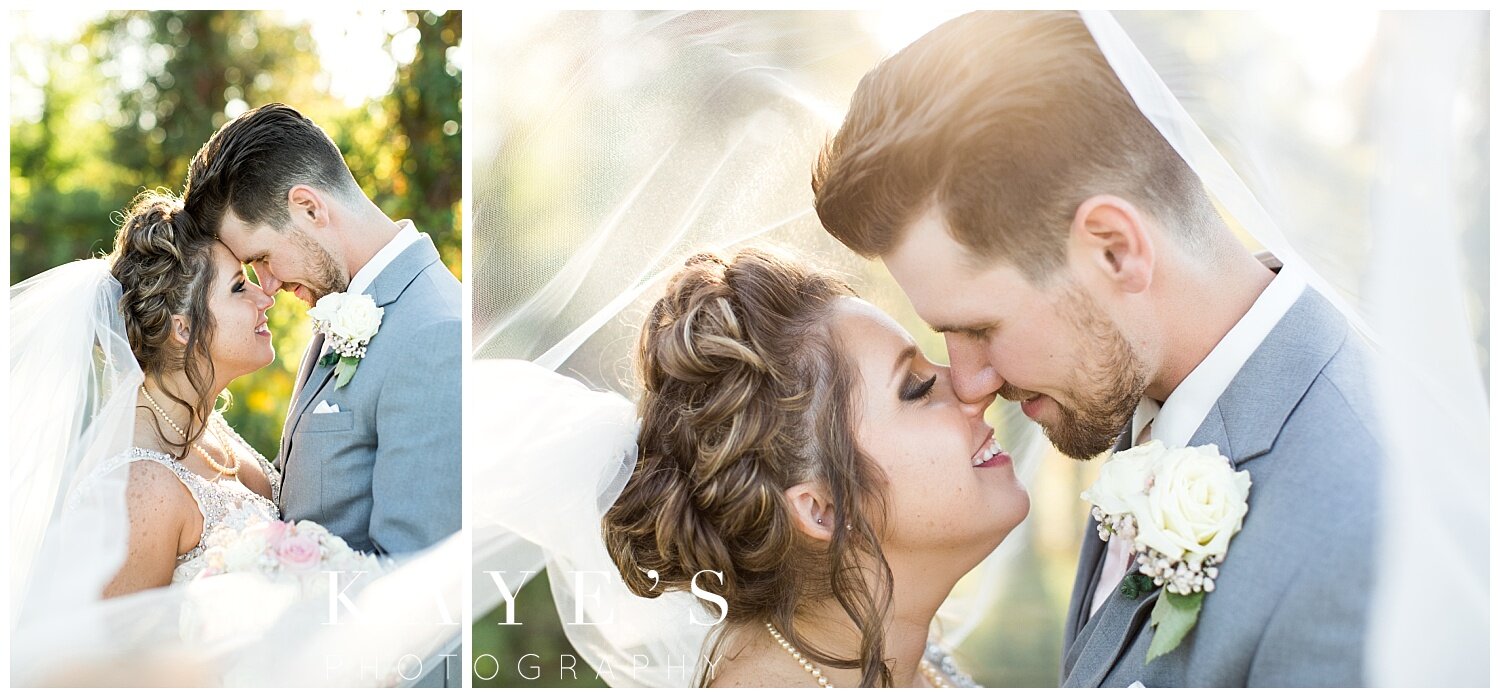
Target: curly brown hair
(746, 392)
(165, 268)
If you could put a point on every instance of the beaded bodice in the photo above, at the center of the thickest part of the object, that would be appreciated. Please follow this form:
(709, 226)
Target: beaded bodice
(941, 661)
(222, 502)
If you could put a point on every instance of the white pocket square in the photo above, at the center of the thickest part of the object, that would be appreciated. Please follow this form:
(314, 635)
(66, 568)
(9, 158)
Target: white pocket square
(1136, 684)
(325, 408)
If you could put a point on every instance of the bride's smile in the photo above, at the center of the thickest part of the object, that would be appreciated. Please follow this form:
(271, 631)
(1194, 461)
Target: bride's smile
(797, 440)
(242, 339)
(948, 483)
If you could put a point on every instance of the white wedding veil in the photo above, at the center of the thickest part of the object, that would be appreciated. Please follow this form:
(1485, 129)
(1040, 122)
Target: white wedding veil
(1413, 307)
(73, 382)
(72, 406)
(720, 156)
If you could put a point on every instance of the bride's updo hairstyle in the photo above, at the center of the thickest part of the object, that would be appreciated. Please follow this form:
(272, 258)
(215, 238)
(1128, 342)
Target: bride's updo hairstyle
(745, 393)
(165, 267)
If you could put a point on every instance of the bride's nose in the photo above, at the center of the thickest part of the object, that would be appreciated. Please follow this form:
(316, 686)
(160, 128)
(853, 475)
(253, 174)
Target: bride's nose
(263, 300)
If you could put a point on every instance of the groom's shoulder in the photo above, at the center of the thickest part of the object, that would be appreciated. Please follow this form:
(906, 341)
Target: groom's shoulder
(1326, 370)
(1330, 448)
(427, 317)
(434, 297)
(1340, 401)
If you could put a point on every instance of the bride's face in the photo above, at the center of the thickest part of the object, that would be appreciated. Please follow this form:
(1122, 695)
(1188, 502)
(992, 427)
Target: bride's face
(241, 339)
(947, 489)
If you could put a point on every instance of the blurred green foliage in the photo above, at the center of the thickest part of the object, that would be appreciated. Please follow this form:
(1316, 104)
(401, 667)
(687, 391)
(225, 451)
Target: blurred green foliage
(538, 658)
(125, 104)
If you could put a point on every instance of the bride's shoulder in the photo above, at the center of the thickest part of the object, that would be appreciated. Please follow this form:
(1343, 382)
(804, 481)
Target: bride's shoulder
(153, 480)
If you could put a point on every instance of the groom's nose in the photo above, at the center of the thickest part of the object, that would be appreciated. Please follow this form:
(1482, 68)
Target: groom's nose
(974, 408)
(268, 281)
(974, 379)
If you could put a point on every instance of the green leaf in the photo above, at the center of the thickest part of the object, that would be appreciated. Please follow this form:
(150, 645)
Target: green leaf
(1173, 617)
(345, 371)
(328, 359)
(1135, 586)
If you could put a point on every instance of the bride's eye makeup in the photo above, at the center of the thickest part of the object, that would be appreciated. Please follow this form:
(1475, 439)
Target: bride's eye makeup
(914, 390)
(975, 333)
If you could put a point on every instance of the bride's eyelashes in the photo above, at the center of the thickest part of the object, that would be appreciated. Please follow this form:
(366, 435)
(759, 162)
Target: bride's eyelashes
(913, 391)
(975, 333)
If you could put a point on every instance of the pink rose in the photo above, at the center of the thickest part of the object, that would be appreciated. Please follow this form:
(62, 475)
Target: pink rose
(276, 531)
(298, 553)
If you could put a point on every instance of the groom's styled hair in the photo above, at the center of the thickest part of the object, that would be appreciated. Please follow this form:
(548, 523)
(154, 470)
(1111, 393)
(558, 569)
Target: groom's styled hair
(1007, 122)
(250, 164)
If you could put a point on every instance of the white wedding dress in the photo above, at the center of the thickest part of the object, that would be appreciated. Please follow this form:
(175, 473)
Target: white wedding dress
(225, 503)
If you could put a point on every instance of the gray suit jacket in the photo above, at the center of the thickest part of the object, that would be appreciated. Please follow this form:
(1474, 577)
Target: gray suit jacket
(1292, 595)
(383, 472)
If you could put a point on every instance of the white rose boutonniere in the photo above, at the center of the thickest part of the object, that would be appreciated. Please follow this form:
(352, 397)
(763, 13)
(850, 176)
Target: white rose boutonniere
(348, 322)
(1177, 508)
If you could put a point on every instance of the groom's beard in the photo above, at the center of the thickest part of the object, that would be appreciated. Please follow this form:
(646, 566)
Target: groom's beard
(328, 276)
(1114, 375)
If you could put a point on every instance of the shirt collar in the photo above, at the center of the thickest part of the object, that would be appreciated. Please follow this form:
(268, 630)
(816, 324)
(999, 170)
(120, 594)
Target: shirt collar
(404, 238)
(1177, 419)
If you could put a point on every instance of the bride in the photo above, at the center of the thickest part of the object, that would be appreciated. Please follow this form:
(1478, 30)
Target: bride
(796, 441)
(800, 495)
(195, 323)
(132, 497)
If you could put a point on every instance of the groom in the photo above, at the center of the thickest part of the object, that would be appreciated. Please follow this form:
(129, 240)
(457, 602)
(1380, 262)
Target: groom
(377, 460)
(1075, 264)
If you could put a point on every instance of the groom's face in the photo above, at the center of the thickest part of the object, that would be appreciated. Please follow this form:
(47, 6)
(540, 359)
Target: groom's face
(291, 260)
(1052, 348)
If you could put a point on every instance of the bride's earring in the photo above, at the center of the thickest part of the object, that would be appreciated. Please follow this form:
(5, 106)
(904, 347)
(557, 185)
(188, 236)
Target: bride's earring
(820, 521)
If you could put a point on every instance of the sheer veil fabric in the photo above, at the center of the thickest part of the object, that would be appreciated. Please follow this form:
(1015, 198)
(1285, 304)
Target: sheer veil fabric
(726, 163)
(1412, 310)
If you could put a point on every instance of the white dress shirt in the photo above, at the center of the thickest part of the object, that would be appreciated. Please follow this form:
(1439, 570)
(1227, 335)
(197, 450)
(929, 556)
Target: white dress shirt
(366, 275)
(1175, 421)
(404, 238)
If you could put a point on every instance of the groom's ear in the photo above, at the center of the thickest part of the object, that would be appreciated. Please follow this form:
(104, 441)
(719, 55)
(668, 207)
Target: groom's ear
(1109, 237)
(812, 510)
(307, 205)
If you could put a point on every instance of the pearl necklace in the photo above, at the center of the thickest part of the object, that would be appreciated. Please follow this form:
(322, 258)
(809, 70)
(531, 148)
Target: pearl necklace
(934, 677)
(231, 470)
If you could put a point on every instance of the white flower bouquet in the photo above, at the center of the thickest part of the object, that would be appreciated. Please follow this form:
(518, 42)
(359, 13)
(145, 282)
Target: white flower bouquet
(283, 552)
(348, 322)
(1177, 509)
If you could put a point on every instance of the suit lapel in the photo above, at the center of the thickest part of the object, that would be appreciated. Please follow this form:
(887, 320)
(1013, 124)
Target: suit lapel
(1091, 558)
(1086, 582)
(385, 289)
(1114, 627)
(315, 381)
(1244, 424)
(1120, 620)
(309, 359)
